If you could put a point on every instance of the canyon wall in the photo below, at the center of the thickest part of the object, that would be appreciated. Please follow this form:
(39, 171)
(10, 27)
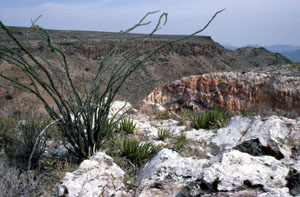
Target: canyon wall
(85, 50)
(234, 91)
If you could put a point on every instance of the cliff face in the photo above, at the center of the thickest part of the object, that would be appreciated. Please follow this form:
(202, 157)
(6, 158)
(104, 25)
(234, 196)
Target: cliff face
(234, 91)
(98, 50)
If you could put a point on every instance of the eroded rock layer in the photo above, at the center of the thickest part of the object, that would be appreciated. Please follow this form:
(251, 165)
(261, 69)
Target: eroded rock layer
(234, 91)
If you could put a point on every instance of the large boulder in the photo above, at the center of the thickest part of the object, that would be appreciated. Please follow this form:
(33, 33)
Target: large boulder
(167, 174)
(237, 170)
(98, 176)
(274, 136)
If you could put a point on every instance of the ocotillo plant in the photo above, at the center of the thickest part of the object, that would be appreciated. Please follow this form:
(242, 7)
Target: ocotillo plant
(84, 115)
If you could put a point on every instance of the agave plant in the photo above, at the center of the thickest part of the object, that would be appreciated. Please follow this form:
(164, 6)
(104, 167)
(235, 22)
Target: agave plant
(137, 152)
(216, 118)
(127, 125)
(163, 134)
(181, 140)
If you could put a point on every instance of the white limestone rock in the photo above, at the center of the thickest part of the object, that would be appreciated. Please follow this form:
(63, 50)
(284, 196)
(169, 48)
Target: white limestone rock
(235, 169)
(200, 135)
(150, 127)
(94, 177)
(272, 132)
(170, 124)
(167, 173)
(146, 129)
(154, 106)
(120, 107)
(177, 130)
(278, 192)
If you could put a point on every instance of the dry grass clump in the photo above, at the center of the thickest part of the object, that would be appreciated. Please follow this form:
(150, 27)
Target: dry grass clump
(17, 139)
(15, 182)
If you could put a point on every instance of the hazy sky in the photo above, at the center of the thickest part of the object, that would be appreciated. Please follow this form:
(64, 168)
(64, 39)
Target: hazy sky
(263, 22)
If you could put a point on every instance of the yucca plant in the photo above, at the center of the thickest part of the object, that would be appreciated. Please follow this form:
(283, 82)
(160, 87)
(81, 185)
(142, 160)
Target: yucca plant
(82, 115)
(181, 140)
(163, 134)
(216, 118)
(219, 118)
(138, 152)
(127, 125)
(200, 121)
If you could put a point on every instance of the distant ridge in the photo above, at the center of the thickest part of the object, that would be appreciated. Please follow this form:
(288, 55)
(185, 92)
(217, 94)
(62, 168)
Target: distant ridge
(289, 51)
(99, 35)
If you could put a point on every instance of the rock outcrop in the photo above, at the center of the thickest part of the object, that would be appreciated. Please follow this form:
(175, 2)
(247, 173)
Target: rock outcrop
(98, 176)
(237, 171)
(168, 173)
(235, 91)
(252, 156)
(258, 136)
(258, 171)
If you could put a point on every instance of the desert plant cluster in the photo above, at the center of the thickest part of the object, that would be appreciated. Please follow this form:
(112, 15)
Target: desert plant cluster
(216, 118)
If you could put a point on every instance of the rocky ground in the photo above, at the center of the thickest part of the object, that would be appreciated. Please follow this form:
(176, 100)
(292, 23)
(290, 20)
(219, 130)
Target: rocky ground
(252, 156)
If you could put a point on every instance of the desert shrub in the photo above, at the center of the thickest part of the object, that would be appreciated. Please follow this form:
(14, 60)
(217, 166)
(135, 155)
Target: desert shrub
(7, 131)
(127, 125)
(181, 140)
(16, 114)
(163, 134)
(137, 152)
(17, 183)
(216, 118)
(83, 114)
(18, 138)
(8, 96)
